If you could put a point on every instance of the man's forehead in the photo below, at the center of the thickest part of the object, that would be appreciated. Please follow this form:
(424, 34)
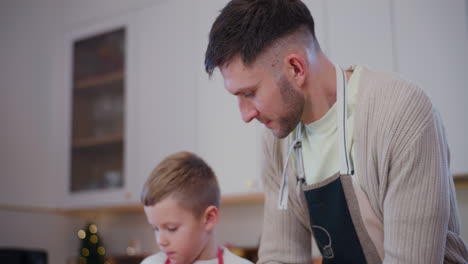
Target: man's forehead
(238, 76)
(235, 64)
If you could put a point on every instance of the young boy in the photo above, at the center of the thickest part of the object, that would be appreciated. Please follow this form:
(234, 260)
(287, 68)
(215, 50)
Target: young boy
(181, 199)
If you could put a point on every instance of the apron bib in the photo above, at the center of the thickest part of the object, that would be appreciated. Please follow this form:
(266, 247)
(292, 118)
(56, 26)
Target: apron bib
(336, 230)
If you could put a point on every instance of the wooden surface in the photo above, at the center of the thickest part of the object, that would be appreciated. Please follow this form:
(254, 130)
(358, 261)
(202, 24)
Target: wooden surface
(316, 261)
(242, 199)
(461, 180)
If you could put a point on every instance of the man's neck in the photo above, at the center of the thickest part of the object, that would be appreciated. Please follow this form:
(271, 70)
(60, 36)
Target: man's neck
(320, 94)
(321, 89)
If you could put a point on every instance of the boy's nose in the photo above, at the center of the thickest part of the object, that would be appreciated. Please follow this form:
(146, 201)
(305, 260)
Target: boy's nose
(162, 240)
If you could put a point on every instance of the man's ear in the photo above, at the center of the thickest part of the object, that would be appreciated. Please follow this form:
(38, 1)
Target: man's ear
(210, 218)
(296, 68)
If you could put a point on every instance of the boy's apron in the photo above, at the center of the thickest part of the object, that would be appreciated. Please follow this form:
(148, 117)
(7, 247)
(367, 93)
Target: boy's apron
(219, 254)
(333, 207)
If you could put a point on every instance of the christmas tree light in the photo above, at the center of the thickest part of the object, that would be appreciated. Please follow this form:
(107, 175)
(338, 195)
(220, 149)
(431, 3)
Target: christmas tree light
(91, 251)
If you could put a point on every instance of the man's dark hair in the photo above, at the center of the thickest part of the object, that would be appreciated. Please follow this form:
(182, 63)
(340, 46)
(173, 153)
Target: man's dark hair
(248, 27)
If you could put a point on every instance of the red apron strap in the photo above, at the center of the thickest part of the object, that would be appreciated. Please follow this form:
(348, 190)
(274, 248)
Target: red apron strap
(220, 256)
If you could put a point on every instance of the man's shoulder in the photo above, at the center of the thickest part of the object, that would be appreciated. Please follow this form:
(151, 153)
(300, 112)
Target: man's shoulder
(390, 95)
(390, 109)
(387, 85)
(231, 258)
(155, 259)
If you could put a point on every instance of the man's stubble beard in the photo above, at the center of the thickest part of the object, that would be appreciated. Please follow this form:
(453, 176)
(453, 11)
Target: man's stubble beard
(293, 103)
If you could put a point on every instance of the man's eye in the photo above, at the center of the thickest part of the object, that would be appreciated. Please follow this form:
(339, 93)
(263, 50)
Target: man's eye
(156, 229)
(249, 95)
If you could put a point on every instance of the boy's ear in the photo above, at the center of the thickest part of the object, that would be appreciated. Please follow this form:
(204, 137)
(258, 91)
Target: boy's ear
(210, 218)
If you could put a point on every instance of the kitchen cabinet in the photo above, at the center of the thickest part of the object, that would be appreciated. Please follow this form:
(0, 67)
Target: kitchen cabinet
(159, 98)
(97, 112)
(169, 107)
(318, 9)
(431, 39)
(94, 102)
(360, 32)
(230, 146)
(165, 108)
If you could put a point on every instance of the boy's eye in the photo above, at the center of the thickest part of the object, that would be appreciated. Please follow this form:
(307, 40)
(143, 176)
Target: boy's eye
(172, 229)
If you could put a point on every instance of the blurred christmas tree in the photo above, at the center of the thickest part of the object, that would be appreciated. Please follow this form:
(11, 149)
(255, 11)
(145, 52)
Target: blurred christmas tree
(91, 250)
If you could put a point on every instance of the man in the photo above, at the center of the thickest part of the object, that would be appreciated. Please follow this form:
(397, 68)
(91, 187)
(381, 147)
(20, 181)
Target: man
(358, 158)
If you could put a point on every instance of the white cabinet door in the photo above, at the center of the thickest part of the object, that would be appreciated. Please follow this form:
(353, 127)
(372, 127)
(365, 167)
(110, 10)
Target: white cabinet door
(26, 157)
(359, 32)
(228, 144)
(90, 11)
(432, 50)
(318, 9)
(165, 87)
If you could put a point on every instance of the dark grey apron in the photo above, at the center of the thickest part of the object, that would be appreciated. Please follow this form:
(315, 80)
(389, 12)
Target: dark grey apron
(334, 215)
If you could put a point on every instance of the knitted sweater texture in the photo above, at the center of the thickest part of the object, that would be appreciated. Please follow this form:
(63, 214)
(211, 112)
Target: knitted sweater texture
(402, 160)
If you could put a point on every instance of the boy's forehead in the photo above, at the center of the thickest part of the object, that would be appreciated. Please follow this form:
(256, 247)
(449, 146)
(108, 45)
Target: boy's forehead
(166, 209)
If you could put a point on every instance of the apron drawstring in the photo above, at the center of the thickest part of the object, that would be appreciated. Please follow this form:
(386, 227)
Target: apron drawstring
(284, 189)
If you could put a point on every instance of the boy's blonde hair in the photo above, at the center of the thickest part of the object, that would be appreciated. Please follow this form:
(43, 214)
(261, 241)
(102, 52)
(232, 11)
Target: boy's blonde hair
(187, 178)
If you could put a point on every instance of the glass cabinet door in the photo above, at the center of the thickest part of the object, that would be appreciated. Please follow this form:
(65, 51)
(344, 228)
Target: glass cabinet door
(98, 106)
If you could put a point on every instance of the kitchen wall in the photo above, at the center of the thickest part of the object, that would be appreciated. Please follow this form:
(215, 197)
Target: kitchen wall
(28, 30)
(29, 33)
(37, 230)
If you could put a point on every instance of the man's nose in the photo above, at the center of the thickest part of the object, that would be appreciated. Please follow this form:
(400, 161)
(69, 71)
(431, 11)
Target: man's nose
(247, 109)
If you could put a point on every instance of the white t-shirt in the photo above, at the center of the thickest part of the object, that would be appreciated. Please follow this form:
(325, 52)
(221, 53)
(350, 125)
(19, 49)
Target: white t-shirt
(320, 138)
(228, 258)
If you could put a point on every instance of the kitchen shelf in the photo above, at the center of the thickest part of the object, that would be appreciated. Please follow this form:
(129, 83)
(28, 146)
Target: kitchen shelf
(99, 81)
(90, 142)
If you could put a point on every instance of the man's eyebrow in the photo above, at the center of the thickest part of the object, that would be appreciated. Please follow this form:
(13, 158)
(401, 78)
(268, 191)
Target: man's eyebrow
(243, 89)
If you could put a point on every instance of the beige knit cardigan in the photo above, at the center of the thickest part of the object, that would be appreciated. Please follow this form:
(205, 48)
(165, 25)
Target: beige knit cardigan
(402, 164)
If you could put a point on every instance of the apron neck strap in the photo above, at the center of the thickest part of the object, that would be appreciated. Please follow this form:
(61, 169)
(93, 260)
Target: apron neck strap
(296, 144)
(341, 119)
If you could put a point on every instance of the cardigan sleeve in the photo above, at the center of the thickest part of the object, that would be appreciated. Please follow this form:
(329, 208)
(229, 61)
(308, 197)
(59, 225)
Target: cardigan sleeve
(416, 204)
(286, 238)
